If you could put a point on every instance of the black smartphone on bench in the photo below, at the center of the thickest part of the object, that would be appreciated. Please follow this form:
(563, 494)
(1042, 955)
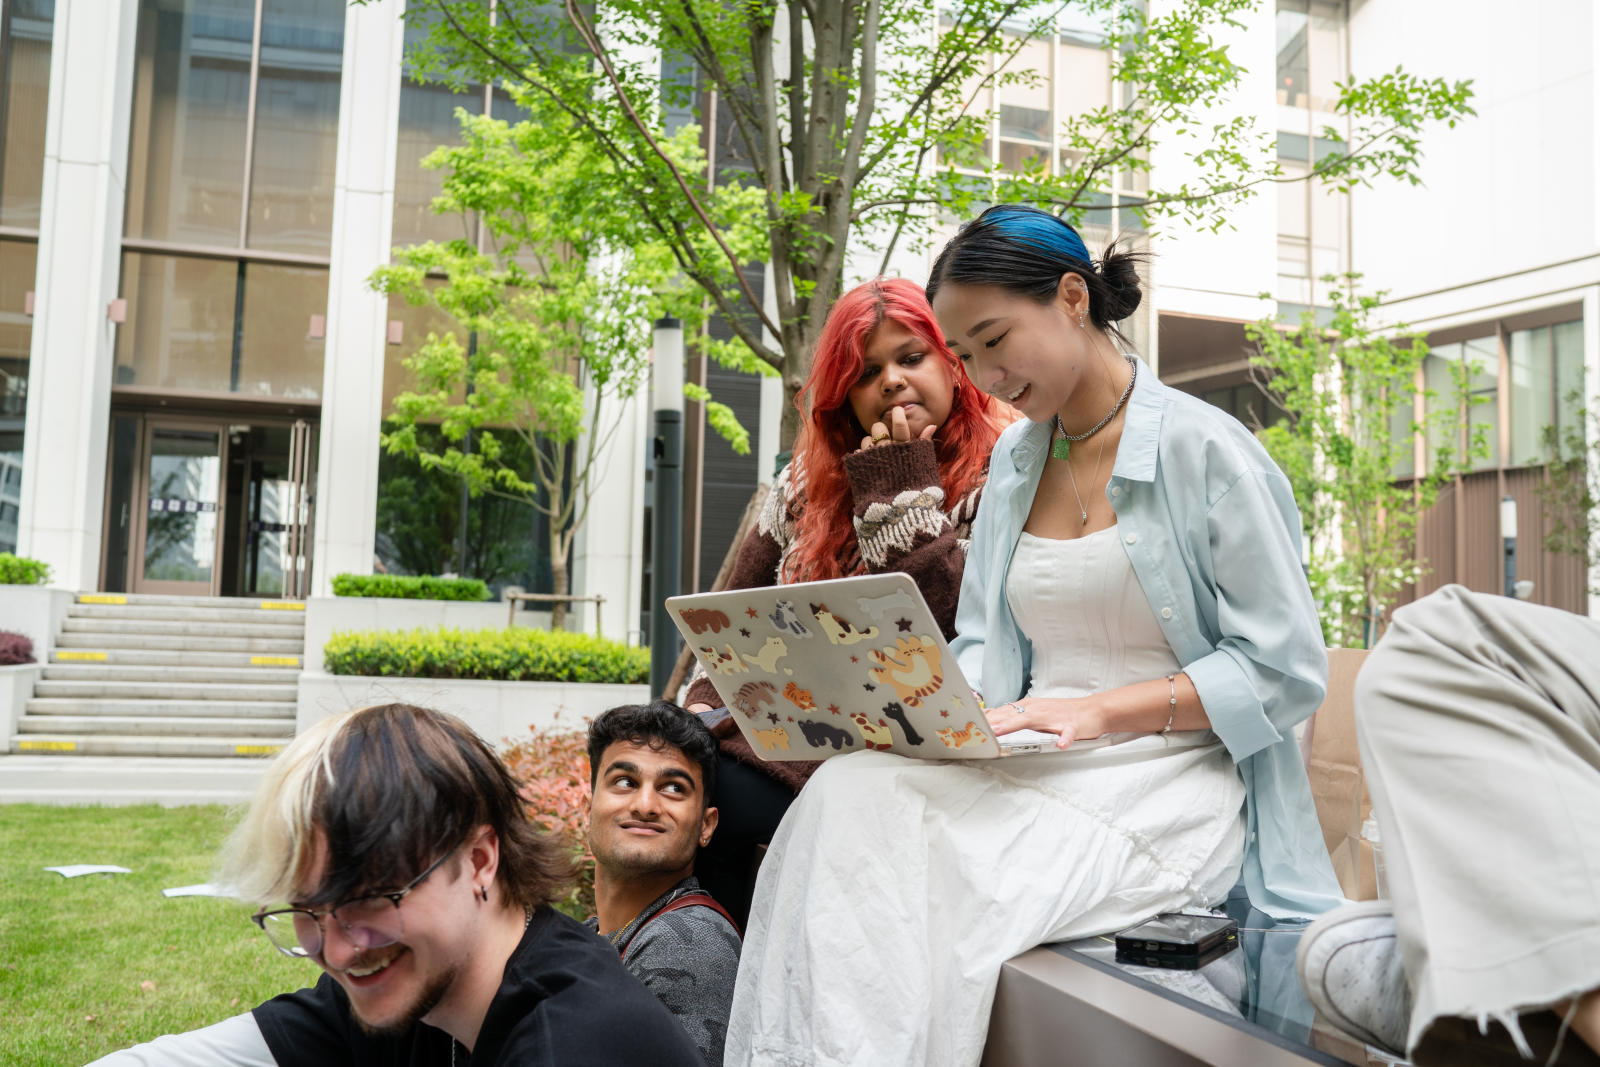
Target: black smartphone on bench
(1182, 942)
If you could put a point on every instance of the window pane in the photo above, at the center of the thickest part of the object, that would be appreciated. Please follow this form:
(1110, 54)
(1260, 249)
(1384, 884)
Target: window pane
(1532, 387)
(1032, 93)
(16, 333)
(1401, 421)
(1483, 361)
(1293, 66)
(179, 333)
(1327, 52)
(297, 122)
(1440, 383)
(25, 28)
(1566, 345)
(191, 94)
(1083, 79)
(1024, 123)
(415, 324)
(277, 354)
(1016, 157)
(1293, 212)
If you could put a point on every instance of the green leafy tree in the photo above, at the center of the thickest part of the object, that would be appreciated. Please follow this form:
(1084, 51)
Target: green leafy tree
(1570, 490)
(1347, 390)
(854, 121)
(552, 317)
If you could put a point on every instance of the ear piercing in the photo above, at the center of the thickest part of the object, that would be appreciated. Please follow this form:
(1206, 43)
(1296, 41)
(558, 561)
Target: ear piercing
(1081, 325)
(482, 893)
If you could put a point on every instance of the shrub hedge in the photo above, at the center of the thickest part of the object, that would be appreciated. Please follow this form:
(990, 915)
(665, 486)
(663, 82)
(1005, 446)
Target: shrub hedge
(15, 649)
(409, 587)
(514, 655)
(20, 570)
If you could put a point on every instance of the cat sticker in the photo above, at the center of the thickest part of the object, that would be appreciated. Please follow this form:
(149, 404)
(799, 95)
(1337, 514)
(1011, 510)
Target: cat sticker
(879, 606)
(800, 698)
(787, 620)
(967, 735)
(840, 632)
(821, 735)
(898, 714)
(702, 619)
(726, 662)
(773, 739)
(911, 668)
(771, 652)
(752, 695)
(875, 734)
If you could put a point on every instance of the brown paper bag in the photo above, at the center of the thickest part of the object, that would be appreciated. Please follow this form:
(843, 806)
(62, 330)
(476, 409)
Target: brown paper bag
(1337, 784)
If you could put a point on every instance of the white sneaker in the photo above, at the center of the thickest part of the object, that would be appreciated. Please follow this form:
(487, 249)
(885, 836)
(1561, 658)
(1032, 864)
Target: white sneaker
(1349, 965)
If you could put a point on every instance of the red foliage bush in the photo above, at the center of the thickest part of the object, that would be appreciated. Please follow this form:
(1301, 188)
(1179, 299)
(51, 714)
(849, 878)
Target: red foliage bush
(552, 766)
(15, 648)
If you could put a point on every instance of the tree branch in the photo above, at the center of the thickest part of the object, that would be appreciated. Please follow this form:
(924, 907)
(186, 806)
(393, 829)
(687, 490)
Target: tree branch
(593, 44)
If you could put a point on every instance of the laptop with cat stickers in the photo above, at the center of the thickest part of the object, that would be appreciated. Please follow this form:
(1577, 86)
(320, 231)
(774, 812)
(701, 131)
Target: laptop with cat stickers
(817, 669)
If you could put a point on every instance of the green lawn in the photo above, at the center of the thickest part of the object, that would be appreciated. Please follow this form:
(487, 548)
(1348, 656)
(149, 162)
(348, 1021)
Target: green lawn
(93, 964)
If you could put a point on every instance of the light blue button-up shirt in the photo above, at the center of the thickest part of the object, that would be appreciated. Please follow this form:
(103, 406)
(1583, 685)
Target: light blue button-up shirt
(1211, 528)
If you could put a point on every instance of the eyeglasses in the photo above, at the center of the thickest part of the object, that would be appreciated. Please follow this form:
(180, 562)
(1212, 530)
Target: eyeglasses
(368, 922)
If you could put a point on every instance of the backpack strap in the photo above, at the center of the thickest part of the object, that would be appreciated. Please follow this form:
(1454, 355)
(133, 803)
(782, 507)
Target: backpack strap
(688, 900)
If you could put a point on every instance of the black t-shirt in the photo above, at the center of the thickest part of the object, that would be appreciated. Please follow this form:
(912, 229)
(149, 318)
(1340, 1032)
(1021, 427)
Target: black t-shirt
(566, 1001)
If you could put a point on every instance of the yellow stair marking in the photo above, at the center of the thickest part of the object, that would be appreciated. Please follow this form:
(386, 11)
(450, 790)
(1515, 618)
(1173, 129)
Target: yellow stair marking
(67, 653)
(275, 661)
(257, 750)
(47, 746)
(90, 599)
(282, 605)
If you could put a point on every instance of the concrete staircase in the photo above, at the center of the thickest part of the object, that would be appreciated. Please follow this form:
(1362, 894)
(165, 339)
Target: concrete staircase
(165, 676)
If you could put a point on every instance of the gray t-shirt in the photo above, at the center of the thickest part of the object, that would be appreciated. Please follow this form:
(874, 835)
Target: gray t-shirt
(688, 958)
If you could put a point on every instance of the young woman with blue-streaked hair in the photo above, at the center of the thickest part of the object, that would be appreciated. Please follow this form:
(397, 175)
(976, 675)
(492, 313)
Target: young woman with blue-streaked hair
(1134, 587)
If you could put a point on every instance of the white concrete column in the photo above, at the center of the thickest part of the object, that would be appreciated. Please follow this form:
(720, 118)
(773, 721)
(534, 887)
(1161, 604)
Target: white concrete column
(608, 549)
(80, 233)
(363, 223)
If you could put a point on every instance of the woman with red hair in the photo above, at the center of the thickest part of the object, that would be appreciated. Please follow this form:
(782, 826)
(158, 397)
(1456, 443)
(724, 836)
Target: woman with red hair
(886, 476)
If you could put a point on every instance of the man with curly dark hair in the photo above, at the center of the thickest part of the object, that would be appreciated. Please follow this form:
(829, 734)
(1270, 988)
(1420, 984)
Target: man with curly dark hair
(653, 768)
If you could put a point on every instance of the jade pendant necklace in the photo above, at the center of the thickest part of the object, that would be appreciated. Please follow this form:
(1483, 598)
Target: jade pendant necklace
(1061, 447)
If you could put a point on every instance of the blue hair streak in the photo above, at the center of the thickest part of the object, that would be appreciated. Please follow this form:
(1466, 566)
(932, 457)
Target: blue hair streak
(1042, 230)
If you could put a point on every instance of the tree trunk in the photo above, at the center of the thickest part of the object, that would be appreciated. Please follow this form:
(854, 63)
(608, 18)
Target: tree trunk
(560, 582)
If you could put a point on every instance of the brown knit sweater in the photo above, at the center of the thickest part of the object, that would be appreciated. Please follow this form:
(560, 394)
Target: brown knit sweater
(903, 523)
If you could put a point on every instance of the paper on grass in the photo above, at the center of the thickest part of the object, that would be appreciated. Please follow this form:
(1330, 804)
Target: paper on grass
(204, 889)
(73, 870)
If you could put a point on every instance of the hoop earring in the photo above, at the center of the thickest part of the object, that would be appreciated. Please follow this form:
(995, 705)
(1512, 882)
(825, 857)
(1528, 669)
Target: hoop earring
(483, 893)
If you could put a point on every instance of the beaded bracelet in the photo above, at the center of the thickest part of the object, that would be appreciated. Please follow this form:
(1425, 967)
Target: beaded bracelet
(1172, 702)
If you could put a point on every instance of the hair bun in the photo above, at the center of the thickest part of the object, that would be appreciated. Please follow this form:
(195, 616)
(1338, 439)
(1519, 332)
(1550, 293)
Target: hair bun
(1119, 268)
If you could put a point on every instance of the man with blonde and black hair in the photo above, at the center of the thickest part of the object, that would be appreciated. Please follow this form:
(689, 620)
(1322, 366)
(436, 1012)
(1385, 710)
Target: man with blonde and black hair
(390, 847)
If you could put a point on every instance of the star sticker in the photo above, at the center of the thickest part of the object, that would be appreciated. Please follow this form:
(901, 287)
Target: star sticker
(854, 660)
(904, 624)
(868, 686)
(752, 612)
(743, 632)
(834, 708)
(773, 716)
(944, 715)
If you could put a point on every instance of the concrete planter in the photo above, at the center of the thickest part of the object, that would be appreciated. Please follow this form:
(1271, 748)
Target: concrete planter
(497, 710)
(327, 614)
(16, 687)
(35, 610)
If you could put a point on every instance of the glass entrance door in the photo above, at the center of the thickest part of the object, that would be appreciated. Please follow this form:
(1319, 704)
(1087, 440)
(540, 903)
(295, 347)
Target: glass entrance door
(177, 547)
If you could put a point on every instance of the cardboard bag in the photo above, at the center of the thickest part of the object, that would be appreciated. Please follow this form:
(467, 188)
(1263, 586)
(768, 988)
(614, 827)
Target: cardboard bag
(1333, 763)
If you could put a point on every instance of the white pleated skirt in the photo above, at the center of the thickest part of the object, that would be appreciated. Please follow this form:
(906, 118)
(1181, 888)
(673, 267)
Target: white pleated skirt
(895, 888)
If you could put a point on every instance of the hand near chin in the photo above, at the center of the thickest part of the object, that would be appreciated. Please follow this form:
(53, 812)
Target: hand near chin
(896, 430)
(1072, 719)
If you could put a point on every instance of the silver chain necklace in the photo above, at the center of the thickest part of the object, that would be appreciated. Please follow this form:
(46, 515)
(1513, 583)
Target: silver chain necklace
(1061, 447)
